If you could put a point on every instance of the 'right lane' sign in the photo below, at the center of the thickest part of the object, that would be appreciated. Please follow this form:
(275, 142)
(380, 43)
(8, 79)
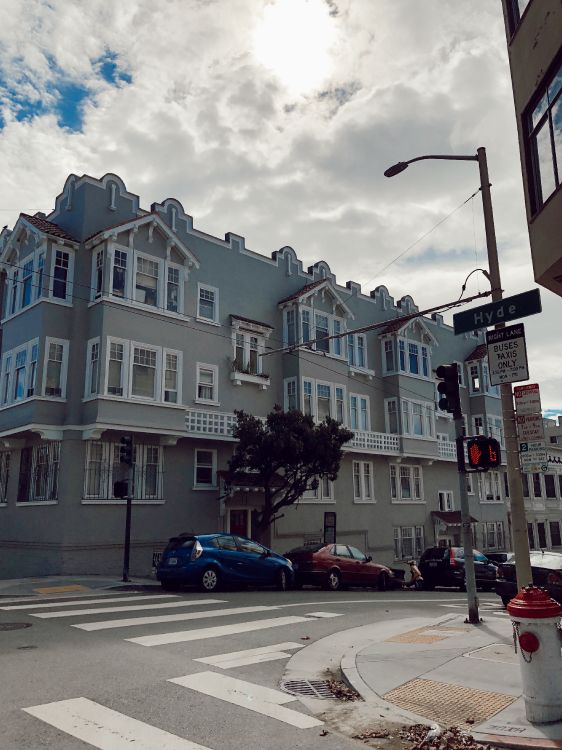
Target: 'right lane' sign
(507, 355)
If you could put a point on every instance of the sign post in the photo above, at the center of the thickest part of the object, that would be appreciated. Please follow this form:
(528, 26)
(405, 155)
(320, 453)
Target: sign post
(507, 355)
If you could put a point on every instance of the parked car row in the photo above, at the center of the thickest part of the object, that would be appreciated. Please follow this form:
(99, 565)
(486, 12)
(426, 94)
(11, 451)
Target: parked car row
(210, 561)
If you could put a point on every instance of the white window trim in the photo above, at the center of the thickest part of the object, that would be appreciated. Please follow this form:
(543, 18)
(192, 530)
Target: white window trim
(400, 536)
(215, 369)
(215, 320)
(90, 346)
(398, 500)
(286, 383)
(159, 285)
(428, 413)
(124, 367)
(449, 497)
(407, 372)
(12, 353)
(64, 367)
(387, 415)
(331, 318)
(318, 498)
(360, 396)
(332, 387)
(214, 484)
(362, 499)
(181, 287)
(157, 375)
(179, 375)
(90, 499)
(70, 276)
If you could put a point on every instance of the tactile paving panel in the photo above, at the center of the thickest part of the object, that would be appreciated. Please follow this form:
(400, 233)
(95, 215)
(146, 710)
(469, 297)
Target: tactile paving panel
(448, 704)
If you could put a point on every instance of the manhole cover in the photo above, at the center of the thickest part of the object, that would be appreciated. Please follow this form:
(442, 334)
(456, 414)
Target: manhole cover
(310, 688)
(15, 625)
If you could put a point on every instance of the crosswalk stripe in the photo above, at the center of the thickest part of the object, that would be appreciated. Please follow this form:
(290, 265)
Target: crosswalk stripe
(57, 599)
(262, 700)
(134, 608)
(198, 634)
(104, 600)
(154, 620)
(251, 655)
(106, 729)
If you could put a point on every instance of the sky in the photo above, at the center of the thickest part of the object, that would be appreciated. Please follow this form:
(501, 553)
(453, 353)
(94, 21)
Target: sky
(275, 120)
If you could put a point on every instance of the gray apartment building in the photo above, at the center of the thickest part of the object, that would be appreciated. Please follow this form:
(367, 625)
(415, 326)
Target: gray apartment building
(118, 320)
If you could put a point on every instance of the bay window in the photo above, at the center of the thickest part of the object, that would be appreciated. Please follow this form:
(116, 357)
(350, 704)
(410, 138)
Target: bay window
(321, 400)
(20, 375)
(321, 333)
(92, 367)
(115, 368)
(406, 483)
(32, 369)
(146, 281)
(143, 377)
(55, 369)
(27, 283)
(418, 418)
(61, 275)
(359, 412)
(119, 281)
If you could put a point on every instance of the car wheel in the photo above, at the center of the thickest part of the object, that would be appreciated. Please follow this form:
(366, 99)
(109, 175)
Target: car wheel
(282, 580)
(170, 585)
(333, 582)
(209, 580)
(383, 583)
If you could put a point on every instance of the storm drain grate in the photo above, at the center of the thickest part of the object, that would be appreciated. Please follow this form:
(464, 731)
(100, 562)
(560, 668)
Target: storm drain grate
(15, 625)
(309, 688)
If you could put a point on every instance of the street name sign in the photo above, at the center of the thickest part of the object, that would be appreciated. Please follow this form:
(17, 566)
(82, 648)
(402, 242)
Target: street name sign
(507, 355)
(533, 456)
(527, 399)
(502, 311)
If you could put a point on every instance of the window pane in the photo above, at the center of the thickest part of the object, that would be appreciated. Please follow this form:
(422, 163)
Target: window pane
(206, 384)
(173, 290)
(322, 333)
(119, 273)
(60, 274)
(207, 304)
(550, 485)
(144, 373)
(114, 377)
(545, 166)
(146, 284)
(555, 534)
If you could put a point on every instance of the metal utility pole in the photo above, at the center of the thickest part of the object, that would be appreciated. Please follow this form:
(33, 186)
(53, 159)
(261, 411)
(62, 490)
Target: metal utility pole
(518, 519)
(126, 489)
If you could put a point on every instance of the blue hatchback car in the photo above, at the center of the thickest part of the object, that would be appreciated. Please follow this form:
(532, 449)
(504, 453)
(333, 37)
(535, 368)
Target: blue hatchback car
(212, 560)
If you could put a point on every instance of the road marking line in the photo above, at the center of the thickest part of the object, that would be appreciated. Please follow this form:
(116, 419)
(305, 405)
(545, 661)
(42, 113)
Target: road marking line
(251, 655)
(134, 608)
(61, 589)
(262, 700)
(106, 729)
(104, 600)
(134, 621)
(218, 631)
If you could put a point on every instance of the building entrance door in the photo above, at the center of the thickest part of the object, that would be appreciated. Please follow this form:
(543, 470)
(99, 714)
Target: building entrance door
(238, 521)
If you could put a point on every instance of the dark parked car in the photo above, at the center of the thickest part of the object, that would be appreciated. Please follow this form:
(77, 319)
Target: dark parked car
(500, 557)
(444, 566)
(333, 566)
(212, 560)
(546, 568)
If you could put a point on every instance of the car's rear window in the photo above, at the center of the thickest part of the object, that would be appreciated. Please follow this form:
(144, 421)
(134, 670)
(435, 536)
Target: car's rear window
(306, 548)
(180, 542)
(434, 553)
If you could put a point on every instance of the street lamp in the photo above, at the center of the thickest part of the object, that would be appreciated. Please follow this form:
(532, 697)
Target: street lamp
(518, 520)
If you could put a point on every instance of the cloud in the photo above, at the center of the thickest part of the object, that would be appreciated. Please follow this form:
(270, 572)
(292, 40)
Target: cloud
(178, 104)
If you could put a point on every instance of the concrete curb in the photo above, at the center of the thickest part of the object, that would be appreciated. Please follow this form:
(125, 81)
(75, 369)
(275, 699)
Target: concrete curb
(352, 677)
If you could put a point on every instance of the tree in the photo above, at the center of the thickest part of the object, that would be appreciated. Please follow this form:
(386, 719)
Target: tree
(286, 455)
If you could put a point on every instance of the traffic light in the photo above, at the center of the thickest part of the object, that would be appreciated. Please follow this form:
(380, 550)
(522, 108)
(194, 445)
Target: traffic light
(483, 453)
(126, 450)
(449, 389)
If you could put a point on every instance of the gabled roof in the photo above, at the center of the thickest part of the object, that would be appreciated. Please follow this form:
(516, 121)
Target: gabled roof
(480, 352)
(396, 326)
(147, 218)
(317, 285)
(47, 227)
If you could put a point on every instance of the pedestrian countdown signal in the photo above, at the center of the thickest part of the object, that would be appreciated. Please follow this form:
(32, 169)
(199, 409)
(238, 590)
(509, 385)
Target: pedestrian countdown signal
(483, 453)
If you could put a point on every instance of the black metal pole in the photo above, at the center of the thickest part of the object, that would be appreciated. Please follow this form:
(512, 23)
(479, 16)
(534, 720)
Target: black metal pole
(127, 548)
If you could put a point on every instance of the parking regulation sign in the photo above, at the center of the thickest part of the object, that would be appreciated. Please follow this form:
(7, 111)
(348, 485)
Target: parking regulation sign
(507, 355)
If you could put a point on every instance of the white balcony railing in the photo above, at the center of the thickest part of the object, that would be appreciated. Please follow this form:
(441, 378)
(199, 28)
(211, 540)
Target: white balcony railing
(376, 442)
(211, 423)
(447, 450)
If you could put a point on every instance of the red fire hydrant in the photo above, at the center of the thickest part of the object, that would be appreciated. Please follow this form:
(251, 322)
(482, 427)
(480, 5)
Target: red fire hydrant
(535, 617)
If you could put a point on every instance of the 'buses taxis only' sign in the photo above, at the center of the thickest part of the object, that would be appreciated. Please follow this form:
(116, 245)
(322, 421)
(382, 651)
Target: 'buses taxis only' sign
(507, 355)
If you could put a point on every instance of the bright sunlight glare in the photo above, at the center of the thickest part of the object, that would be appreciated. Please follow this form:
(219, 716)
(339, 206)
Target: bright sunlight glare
(294, 39)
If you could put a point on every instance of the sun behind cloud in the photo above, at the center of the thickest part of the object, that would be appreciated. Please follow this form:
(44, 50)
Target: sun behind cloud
(295, 40)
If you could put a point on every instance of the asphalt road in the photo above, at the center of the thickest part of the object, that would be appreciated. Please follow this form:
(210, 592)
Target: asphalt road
(126, 671)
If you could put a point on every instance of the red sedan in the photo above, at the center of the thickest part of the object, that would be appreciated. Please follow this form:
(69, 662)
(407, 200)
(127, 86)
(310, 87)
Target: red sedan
(334, 566)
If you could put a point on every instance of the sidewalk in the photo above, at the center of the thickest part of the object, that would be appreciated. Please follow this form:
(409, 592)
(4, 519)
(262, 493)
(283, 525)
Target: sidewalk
(448, 673)
(71, 585)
